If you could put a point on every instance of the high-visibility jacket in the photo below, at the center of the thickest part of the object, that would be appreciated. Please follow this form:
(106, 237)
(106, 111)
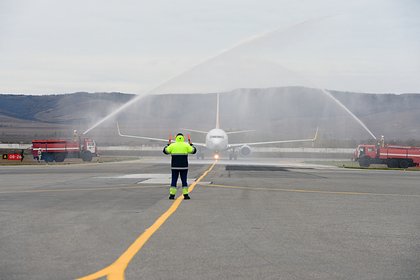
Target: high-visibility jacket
(179, 152)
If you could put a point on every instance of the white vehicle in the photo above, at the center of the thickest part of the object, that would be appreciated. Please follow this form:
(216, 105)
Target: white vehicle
(217, 140)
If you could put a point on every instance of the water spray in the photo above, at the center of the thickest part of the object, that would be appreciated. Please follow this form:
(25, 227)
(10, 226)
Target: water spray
(223, 52)
(248, 40)
(348, 111)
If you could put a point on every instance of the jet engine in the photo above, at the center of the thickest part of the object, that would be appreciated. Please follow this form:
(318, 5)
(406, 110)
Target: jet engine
(245, 150)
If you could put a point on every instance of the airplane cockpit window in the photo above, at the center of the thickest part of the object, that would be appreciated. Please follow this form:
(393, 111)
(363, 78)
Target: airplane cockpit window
(216, 136)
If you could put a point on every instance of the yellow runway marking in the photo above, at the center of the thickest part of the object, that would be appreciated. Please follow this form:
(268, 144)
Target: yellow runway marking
(306, 191)
(116, 270)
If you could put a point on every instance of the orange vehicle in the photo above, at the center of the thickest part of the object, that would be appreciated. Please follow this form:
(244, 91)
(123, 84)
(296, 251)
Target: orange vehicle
(391, 155)
(59, 149)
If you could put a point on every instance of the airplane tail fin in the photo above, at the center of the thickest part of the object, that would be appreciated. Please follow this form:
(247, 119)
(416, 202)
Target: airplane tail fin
(217, 112)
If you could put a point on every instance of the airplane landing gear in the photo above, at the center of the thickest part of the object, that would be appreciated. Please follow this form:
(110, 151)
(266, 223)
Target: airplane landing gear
(233, 155)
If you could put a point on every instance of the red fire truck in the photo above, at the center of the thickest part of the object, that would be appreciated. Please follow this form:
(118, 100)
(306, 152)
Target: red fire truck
(59, 149)
(391, 155)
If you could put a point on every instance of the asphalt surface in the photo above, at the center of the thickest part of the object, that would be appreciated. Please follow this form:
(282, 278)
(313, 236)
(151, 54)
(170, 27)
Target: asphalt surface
(260, 220)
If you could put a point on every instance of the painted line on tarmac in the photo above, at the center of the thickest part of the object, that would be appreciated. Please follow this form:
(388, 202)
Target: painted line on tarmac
(140, 185)
(308, 191)
(76, 189)
(116, 271)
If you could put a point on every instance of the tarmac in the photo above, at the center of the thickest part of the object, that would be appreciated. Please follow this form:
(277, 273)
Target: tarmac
(259, 219)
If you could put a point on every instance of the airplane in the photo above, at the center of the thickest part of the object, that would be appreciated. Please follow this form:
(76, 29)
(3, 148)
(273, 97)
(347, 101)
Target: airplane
(217, 140)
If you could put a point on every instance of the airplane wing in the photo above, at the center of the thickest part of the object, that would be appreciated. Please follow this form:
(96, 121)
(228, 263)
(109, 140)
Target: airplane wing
(205, 132)
(199, 144)
(276, 142)
(194, 130)
(240, 131)
(151, 138)
(140, 137)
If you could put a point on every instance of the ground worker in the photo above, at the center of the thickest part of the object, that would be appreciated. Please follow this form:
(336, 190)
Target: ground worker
(75, 135)
(39, 154)
(179, 163)
(382, 141)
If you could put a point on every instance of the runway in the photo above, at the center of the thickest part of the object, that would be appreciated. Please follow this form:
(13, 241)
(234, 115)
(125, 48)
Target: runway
(266, 219)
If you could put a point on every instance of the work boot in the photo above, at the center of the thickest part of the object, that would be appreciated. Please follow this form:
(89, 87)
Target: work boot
(186, 196)
(172, 192)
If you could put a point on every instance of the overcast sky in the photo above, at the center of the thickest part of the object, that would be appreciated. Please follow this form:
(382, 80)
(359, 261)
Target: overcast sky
(53, 46)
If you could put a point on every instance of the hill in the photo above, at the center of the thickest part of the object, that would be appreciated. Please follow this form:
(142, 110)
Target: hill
(66, 108)
(274, 113)
(25, 117)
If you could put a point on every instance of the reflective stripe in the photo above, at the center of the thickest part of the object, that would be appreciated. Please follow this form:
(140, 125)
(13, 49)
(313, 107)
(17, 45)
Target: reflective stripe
(185, 190)
(401, 155)
(53, 148)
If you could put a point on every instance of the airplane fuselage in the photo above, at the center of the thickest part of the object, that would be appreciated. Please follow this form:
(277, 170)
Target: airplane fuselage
(217, 140)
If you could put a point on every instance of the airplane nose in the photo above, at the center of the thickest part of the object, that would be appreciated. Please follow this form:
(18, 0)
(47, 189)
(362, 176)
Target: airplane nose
(215, 144)
(218, 144)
